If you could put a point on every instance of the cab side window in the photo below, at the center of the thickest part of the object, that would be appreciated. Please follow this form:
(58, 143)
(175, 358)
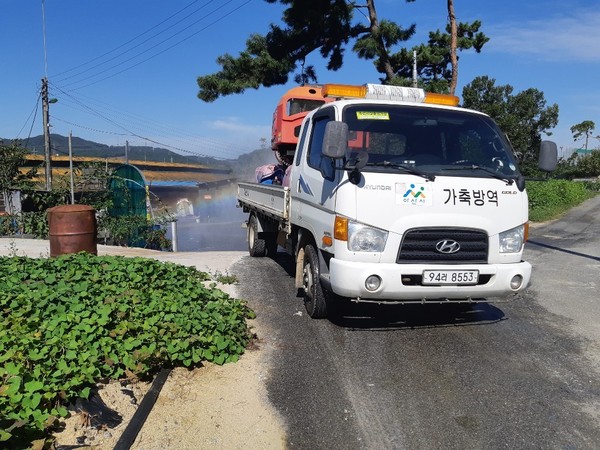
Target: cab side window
(316, 159)
(300, 146)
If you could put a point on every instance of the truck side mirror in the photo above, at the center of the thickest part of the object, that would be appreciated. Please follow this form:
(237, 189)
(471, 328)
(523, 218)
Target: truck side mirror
(548, 157)
(335, 140)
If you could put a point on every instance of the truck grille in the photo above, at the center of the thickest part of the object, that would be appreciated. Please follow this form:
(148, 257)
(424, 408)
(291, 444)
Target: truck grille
(419, 246)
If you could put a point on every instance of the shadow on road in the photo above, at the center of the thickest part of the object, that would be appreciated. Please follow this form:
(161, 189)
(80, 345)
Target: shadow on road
(371, 316)
(564, 250)
(363, 316)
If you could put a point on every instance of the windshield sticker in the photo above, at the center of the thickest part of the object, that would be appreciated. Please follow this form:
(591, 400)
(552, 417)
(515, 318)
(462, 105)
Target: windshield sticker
(414, 194)
(477, 197)
(372, 115)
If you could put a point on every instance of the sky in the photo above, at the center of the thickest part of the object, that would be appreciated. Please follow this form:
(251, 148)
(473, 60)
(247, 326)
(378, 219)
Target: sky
(125, 70)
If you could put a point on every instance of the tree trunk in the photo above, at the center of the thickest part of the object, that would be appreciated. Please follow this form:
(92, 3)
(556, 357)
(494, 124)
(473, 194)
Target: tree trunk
(453, 44)
(383, 52)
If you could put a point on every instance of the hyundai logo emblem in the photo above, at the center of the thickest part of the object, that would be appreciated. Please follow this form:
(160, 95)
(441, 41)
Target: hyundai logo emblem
(447, 246)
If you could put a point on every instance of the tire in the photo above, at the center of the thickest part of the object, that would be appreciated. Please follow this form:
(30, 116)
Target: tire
(315, 300)
(257, 247)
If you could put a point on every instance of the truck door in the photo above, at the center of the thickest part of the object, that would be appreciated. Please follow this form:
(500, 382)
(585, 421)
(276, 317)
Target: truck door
(315, 185)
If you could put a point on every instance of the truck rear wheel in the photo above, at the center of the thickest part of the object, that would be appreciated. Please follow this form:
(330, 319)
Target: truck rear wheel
(257, 247)
(315, 300)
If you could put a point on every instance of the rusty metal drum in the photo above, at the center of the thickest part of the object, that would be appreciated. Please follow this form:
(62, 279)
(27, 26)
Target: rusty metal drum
(72, 229)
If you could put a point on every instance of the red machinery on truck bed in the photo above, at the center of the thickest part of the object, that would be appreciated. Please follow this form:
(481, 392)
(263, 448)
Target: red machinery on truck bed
(293, 106)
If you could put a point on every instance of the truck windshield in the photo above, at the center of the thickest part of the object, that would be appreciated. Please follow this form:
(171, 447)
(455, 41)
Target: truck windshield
(299, 105)
(432, 140)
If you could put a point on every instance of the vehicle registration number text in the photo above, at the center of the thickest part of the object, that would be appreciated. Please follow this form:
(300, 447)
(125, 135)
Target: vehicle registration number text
(450, 276)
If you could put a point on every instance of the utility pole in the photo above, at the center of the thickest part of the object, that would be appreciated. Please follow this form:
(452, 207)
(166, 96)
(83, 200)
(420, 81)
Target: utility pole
(46, 124)
(415, 83)
(126, 152)
(71, 168)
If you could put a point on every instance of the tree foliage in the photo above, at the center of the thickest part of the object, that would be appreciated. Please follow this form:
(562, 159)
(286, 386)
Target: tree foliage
(583, 130)
(523, 116)
(13, 158)
(434, 59)
(268, 60)
(328, 26)
(589, 165)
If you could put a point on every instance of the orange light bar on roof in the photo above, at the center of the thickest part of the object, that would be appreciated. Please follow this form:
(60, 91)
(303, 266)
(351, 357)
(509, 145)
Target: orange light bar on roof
(343, 91)
(441, 99)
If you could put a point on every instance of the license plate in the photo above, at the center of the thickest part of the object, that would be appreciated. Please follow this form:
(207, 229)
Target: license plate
(450, 276)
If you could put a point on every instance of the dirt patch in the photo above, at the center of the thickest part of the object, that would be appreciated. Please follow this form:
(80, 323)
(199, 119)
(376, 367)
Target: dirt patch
(88, 427)
(221, 407)
(214, 407)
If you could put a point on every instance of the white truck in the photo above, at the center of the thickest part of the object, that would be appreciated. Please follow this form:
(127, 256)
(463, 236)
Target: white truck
(395, 195)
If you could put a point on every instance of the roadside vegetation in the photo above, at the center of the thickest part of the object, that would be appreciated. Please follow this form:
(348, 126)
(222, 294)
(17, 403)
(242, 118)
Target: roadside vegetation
(75, 320)
(552, 198)
(575, 180)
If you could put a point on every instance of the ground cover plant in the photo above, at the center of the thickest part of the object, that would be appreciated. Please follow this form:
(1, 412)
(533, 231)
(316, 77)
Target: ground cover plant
(72, 321)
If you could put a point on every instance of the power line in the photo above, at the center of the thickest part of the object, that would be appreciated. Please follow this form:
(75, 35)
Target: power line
(186, 139)
(190, 140)
(117, 115)
(128, 42)
(115, 66)
(88, 128)
(132, 133)
(33, 111)
(44, 38)
(134, 47)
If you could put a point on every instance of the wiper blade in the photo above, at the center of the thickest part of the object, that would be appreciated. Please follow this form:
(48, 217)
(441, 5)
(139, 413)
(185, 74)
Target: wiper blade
(509, 181)
(405, 168)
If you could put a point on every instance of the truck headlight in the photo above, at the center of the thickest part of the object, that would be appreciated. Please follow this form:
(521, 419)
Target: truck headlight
(511, 241)
(363, 238)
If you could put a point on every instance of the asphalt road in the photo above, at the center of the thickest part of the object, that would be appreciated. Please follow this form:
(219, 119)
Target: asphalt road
(522, 374)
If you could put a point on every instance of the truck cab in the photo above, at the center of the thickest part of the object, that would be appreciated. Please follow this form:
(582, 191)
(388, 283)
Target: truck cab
(432, 206)
(398, 196)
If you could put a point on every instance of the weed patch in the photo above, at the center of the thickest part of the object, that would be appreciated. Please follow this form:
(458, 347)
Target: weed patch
(71, 321)
(552, 198)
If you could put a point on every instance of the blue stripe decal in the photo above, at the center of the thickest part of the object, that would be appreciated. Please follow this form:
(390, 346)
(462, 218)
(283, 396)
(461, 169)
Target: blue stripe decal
(305, 187)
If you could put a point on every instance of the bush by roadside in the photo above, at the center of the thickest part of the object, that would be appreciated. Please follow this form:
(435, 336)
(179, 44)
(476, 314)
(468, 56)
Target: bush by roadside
(72, 321)
(551, 198)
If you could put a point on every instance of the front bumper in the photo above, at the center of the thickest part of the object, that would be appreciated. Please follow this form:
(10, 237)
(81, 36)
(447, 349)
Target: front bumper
(402, 282)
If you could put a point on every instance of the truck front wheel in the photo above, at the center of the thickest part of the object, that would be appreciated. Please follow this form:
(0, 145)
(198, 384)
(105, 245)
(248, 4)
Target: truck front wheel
(315, 301)
(256, 246)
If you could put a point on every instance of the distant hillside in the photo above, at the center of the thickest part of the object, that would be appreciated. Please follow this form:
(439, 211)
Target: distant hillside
(243, 167)
(82, 147)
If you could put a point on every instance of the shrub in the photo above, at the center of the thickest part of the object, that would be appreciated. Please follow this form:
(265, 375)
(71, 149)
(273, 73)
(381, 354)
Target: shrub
(589, 165)
(551, 198)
